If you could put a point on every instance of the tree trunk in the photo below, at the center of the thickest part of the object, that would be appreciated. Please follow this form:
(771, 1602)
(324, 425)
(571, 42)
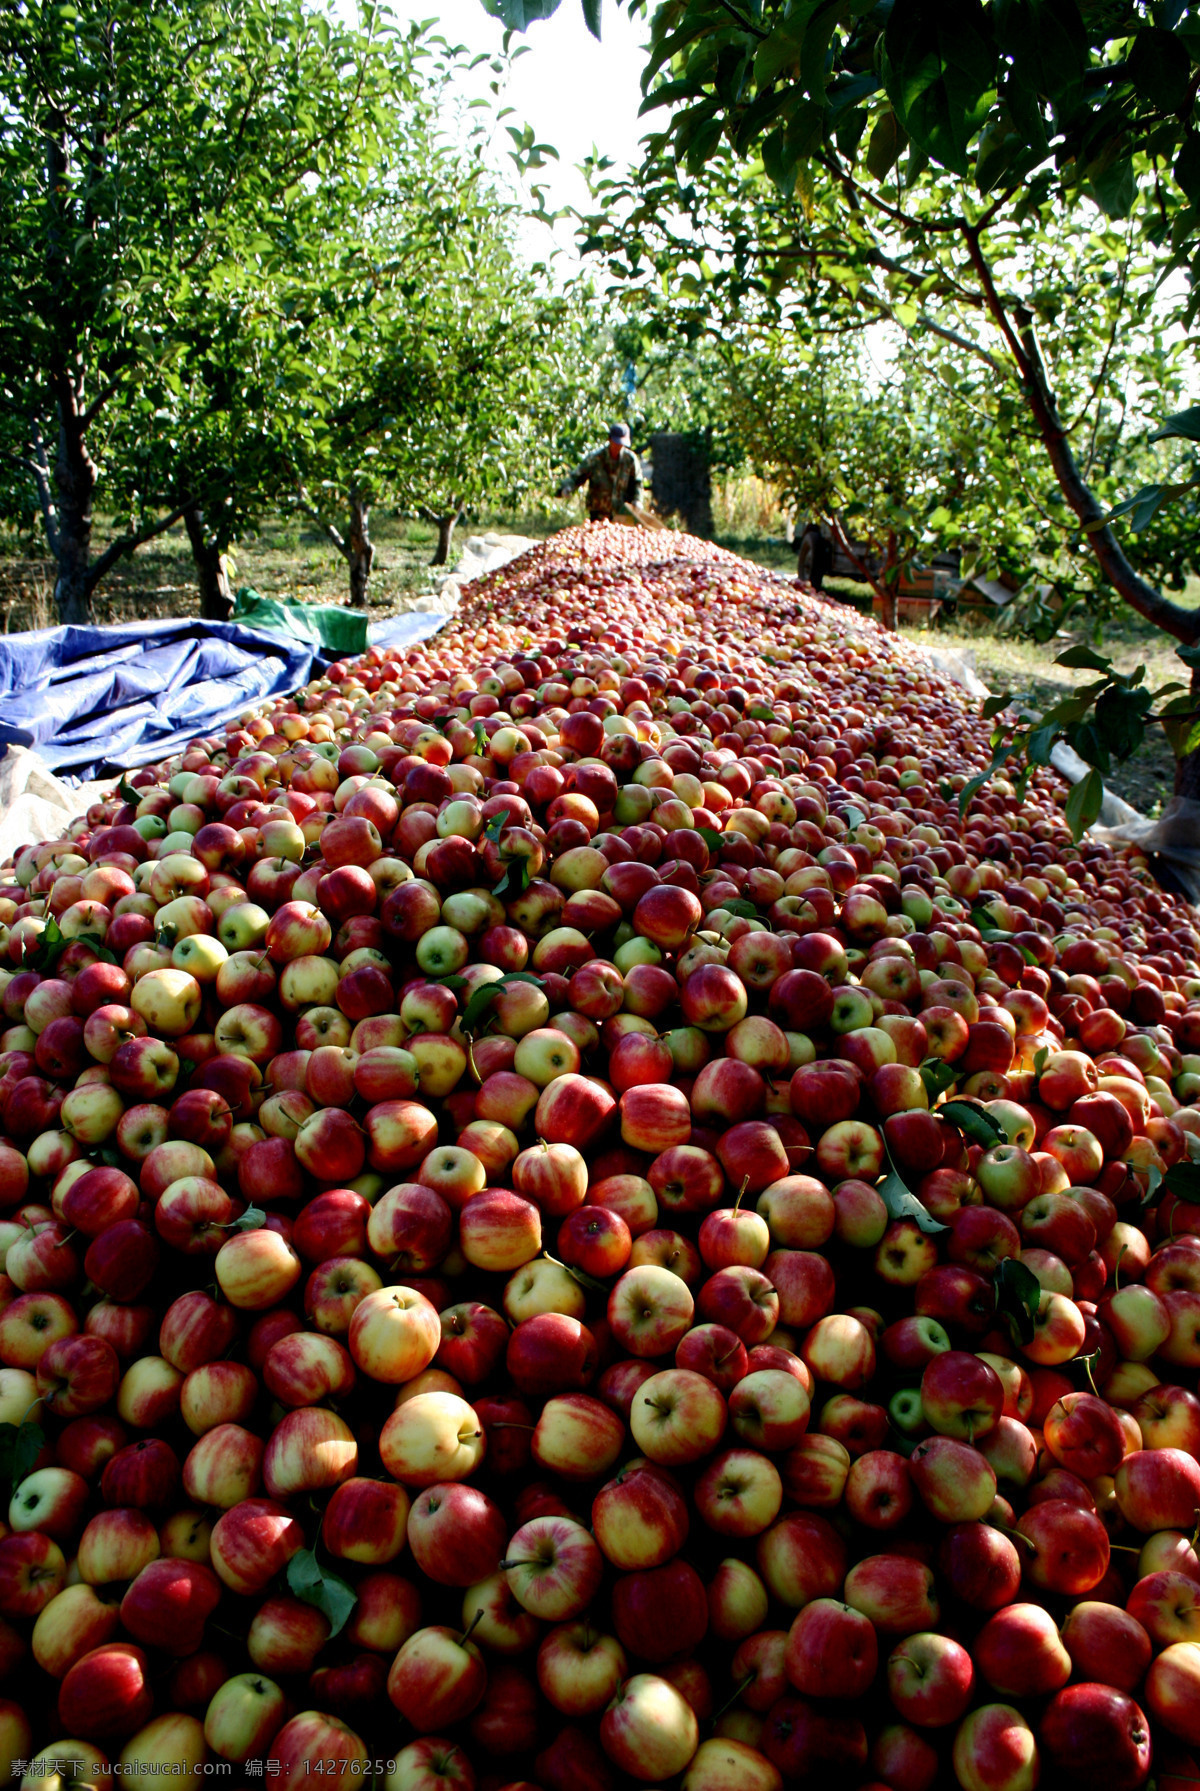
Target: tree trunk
(75, 481)
(212, 574)
(445, 529)
(360, 549)
(891, 608)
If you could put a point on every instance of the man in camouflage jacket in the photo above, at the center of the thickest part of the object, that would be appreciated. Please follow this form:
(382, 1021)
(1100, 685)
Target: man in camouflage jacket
(613, 475)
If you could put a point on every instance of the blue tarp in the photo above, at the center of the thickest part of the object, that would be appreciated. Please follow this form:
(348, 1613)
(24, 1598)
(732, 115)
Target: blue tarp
(91, 699)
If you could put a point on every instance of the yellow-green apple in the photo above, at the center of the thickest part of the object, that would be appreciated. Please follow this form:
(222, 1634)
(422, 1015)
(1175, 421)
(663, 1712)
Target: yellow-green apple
(434, 1437)
(224, 1467)
(801, 1557)
(51, 1500)
(579, 1669)
(727, 1763)
(173, 1742)
(499, 1230)
(816, 1470)
(285, 1636)
(149, 1393)
(1158, 1489)
(494, 1617)
(640, 1518)
(308, 1451)
(386, 1614)
(243, 1717)
(66, 1766)
(1167, 1416)
(394, 1334)
(116, 1545)
(800, 1212)
(832, 1651)
(437, 1678)
(430, 1764)
(257, 1269)
(737, 1601)
(1172, 1691)
(217, 1393)
(650, 1310)
(310, 1739)
(553, 1568)
(677, 1417)
(75, 1621)
(649, 1731)
(996, 1750)
(577, 1437)
(540, 1287)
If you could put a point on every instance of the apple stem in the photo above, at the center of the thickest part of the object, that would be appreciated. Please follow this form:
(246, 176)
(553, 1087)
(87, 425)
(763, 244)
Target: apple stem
(741, 1191)
(1117, 1268)
(737, 1692)
(509, 1424)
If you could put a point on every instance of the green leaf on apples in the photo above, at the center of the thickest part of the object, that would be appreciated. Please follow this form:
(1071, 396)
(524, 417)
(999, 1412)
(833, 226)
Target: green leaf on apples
(760, 712)
(1192, 1145)
(980, 1126)
(20, 1446)
(852, 816)
(902, 1203)
(126, 791)
(327, 1592)
(515, 880)
(938, 1076)
(995, 704)
(496, 826)
(1041, 1059)
(481, 739)
(1183, 1180)
(98, 946)
(711, 838)
(1018, 1295)
(51, 945)
(450, 982)
(484, 996)
(1154, 1181)
(741, 906)
(107, 1155)
(253, 1219)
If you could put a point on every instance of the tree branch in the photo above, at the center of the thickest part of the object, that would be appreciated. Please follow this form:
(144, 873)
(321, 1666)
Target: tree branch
(301, 502)
(39, 466)
(127, 544)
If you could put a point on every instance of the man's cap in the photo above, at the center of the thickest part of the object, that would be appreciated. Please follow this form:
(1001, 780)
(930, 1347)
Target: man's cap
(618, 432)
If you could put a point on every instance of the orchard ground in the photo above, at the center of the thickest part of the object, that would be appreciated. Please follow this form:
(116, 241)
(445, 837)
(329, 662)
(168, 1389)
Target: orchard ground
(291, 558)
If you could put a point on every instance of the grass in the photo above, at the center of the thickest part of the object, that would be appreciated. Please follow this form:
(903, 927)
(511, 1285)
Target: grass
(290, 558)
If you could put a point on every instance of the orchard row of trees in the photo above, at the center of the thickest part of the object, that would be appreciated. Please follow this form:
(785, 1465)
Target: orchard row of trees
(1010, 189)
(253, 262)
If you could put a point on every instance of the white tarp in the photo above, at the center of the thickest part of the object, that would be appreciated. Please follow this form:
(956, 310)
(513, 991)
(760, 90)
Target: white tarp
(36, 805)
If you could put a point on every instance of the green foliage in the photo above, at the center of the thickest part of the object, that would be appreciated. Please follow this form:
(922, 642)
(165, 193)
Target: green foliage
(327, 1591)
(145, 198)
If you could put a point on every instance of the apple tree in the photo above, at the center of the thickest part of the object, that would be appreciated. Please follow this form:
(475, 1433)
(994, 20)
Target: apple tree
(152, 155)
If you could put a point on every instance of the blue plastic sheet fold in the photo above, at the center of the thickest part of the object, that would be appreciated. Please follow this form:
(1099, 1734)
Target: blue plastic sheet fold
(91, 700)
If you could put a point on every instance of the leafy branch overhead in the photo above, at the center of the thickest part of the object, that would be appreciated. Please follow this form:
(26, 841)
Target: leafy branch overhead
(1104, 722)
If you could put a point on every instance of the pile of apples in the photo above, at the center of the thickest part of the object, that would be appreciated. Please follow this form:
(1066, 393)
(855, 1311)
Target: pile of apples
(567, 1222)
